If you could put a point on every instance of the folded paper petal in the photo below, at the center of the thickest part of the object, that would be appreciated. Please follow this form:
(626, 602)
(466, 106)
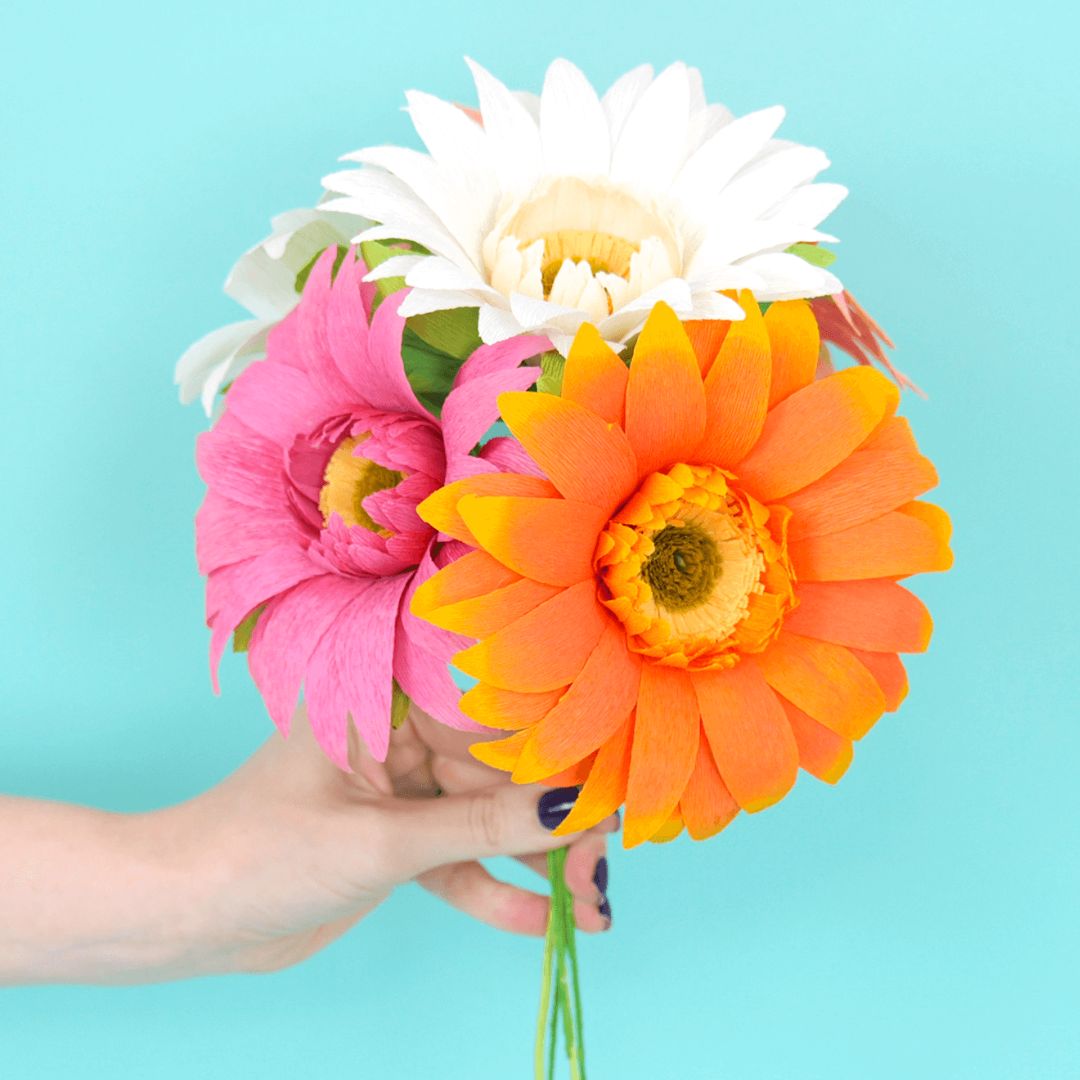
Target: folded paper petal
(822, 752)
(547, 540)
(440, 510)
(594, 377)
(707, 805)
(825, 681)
(605, 788)
(878, 615)
(814, 429)
(888, 671)
(794, 344)
(665, 399)
(594, 707)
(748, 733)
(666, 730)
(543, 650)
(583, 455)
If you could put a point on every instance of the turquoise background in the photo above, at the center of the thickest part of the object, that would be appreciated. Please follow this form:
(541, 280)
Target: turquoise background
(920, 920)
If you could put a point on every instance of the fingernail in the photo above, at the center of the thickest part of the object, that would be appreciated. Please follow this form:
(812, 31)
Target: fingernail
(600, 876)
(604, 908)
(555, 805)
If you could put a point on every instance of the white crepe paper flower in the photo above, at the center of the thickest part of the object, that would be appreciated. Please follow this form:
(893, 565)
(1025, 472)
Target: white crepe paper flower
(264, 281)
(547, 212)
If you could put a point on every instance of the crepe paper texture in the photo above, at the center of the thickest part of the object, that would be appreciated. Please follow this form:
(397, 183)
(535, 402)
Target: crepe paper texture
(540, 213)
(544, 213)
(314, 474)
(693, 589)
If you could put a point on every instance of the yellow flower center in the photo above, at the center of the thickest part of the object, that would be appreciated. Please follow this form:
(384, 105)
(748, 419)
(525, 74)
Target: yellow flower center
(605, 253)
(348, 481)
(695, 569)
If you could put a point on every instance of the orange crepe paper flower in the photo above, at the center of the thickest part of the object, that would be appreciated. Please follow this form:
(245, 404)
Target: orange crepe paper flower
(697, 590)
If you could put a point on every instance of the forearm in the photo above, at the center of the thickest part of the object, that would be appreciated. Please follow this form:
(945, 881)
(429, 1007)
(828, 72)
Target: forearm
(90, 896)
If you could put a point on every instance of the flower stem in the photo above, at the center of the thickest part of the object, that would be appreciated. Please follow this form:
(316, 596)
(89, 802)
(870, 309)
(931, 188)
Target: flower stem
(560, 991)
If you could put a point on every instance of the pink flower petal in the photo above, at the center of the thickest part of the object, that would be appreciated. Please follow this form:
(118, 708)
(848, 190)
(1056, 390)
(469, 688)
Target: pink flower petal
(508, 455)
(275, 400)
(242, 465)
(384, 383)
(227, 532)
(472, 407)
(488, 359)
(286, 635)
(352, 671)
(251, 583)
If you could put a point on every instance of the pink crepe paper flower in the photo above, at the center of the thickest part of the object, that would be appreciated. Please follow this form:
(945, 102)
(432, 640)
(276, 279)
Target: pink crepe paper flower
(314, 472)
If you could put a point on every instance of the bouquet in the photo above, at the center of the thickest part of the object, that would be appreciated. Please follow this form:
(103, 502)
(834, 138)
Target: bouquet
(552, 406)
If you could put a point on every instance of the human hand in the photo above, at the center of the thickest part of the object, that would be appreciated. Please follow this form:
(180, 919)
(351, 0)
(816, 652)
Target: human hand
(295, 852)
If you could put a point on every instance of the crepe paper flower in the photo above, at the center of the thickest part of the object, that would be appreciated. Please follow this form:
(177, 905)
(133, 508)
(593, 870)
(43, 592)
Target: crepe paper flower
(264, 281)
(845, 323)
(314, 472)
(572, 208)
(696, 589)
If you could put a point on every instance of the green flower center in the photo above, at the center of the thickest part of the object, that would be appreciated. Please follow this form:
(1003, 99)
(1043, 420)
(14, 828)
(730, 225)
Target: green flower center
(683, 567)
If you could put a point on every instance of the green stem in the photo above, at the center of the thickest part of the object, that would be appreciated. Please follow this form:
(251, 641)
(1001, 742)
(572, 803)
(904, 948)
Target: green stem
(560, 991)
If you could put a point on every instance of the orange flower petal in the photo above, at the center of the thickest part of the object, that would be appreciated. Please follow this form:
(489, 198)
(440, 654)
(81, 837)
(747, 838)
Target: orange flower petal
(707, 806)
(794, 341)
(575, 776)
(665, 398)
(896, 544)
(440, 511)
(605, 788)
(594, 707)
(595, 377)
(664, 753)
(474, 574)
(822, 753)
(669, 830)
(888, 671)
(749, 734)
(507, 710)
(878, 615)
(737, 390)
(543, 650)
(868, 484)
(484, 615)
(815, 429)
(706, 336)
(500, 753)
(586, 458)
(825, 681)
(548, 540)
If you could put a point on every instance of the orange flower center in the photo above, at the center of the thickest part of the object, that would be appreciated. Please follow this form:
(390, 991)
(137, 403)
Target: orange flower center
(695, 569)
(348, 480)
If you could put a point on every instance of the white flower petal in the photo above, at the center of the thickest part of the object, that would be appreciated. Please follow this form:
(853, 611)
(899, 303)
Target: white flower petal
(761, 186)
(497, 324)
(809, 205)
(650, 149)
(573, 128)
(723, 248)
(453, 138)
(433, 272)
(512, 133)
(714, 305)
(395, 266)
(622, 96)
(424, 301)
(534, 314)
(629, 319)
(787, 277)
(212, 354)
(714, 164)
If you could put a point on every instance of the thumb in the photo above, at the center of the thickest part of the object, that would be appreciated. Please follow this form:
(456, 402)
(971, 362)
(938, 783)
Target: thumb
(506, 819)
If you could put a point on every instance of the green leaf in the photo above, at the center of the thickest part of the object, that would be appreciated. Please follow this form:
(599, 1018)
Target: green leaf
(552, 366)
(399, 706)
(814, 254)
(305, 271)
(452, 332)
(242, 634)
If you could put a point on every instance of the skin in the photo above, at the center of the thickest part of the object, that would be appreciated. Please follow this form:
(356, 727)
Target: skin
(274, 863)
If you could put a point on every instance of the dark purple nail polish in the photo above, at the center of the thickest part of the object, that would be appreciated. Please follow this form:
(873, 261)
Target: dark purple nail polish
(605, 911)
(600, 876)
(555, 805)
